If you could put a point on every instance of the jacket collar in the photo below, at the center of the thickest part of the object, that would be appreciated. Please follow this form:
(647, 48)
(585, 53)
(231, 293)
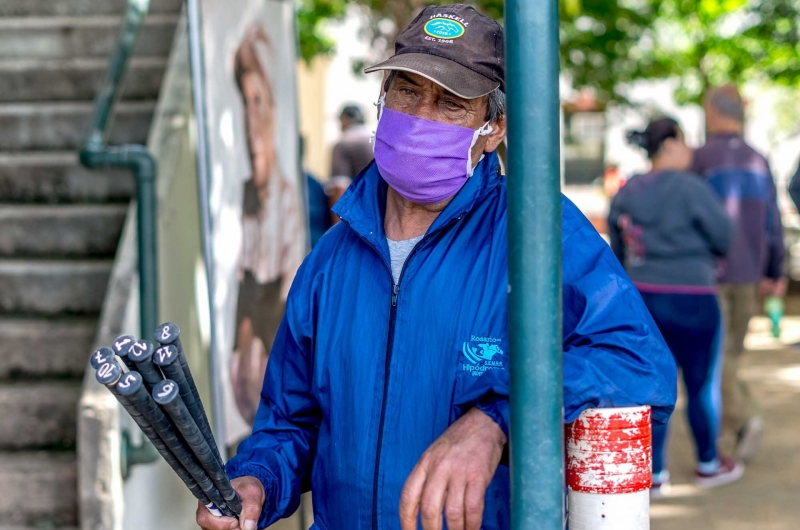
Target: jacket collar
(363, 206)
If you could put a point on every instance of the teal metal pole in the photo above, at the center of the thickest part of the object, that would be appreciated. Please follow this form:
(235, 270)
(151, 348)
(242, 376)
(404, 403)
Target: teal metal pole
(534, 265)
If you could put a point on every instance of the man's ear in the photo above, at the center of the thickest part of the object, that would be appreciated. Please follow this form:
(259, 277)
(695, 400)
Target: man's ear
(495, 138)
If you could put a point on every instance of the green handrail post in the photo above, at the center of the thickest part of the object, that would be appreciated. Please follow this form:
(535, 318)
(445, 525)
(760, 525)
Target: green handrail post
(96, 153)
(534, 265)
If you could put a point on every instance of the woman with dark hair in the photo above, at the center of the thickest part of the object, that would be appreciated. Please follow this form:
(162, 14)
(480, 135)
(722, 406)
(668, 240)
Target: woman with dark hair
(669, 229)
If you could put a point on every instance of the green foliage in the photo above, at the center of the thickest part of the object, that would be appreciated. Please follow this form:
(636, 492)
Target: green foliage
(608, 44)
(311, 15)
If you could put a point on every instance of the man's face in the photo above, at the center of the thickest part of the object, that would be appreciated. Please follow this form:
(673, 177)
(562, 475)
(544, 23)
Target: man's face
(260, 117)
(415, 95)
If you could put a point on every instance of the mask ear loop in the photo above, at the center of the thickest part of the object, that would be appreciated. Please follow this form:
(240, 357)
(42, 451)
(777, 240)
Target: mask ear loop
(485, 130)
(380, 104)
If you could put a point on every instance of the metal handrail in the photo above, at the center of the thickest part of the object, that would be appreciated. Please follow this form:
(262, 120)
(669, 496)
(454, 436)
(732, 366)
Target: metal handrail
(95, 153)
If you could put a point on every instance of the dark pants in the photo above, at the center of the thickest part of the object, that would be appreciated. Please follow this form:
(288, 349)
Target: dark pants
(691, 326)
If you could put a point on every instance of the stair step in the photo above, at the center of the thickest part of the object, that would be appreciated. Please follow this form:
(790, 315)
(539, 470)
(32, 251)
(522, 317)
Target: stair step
(57, 177)
(38, 488)
(32, 347)
(52, 287)
(74, 79)
(93, 36)
(60, 230)
(59, 126)
(32, 8)
(48, 527)
(38, 414)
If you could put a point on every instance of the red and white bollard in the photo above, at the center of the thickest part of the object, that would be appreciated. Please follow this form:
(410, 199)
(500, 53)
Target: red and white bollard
(609, 469)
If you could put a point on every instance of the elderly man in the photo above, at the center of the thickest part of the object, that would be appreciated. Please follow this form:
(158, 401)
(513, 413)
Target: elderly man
(743, 179)
(387, 390)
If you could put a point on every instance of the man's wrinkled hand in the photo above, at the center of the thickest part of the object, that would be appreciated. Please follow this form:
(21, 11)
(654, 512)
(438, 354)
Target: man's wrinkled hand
(453, 474)
(251, 491)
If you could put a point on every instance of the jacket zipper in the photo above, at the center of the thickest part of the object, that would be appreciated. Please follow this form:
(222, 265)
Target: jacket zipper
(388, 368)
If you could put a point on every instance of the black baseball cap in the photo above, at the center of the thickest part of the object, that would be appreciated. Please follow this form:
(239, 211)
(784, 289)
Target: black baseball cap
(454, 46)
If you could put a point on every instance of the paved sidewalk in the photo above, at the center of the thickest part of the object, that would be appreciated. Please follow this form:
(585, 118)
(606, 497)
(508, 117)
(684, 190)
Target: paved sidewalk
(768, 497)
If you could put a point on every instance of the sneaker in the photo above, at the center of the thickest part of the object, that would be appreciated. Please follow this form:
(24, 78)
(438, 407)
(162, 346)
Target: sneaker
(660, 486)
(729, 470)
(748, 439)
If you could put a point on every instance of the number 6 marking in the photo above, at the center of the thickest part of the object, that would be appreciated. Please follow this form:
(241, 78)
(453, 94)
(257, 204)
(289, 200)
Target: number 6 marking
(167, 390)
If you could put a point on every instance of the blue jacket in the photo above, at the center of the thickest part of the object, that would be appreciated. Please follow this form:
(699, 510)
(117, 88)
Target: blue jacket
(364, 376)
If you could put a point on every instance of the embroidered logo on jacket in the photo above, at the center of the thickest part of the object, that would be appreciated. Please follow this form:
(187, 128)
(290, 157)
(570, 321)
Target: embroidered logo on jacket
(482, 354)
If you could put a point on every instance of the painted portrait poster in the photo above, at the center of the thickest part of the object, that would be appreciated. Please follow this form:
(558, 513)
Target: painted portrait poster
(258, 230)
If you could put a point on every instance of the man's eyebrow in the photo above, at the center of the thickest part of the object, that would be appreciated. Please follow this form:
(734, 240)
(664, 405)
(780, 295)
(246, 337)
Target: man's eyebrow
(405, 77)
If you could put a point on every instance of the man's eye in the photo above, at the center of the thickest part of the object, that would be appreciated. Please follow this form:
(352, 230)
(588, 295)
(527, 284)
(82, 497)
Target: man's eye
(406, 91)
(452, 105)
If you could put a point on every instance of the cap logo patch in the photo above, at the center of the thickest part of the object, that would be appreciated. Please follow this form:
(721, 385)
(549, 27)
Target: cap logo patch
(443, 28)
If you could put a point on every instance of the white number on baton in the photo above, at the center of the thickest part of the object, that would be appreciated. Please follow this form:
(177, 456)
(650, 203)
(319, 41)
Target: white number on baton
(167, 390)
(128, 381)
(99, 356)
(163, 354)
(118, 345)
(165, 332)
(105, 370)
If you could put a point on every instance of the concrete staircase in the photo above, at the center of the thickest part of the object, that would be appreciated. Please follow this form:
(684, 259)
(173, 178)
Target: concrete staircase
(59, 229)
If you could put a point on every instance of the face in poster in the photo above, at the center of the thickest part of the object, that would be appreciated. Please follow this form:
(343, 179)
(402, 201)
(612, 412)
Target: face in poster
(259, 234)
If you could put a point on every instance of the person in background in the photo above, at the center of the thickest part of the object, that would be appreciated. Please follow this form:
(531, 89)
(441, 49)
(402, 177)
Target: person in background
(319, 218)
(351, 154)
(668, 228)
(794, 188)
(743, 179)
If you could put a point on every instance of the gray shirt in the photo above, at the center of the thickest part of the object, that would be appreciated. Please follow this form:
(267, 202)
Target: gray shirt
(398, 252)
(668, 228)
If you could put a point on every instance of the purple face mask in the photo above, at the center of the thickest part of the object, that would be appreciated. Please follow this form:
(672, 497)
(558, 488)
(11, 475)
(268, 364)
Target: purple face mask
(425, 161)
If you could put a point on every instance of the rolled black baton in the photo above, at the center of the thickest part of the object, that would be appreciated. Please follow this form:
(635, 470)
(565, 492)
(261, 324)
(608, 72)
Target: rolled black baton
(132, 387)
(167, 394)
(109, 374)
(170, 334)
(166, 357)
(121, 346)
(141, 353)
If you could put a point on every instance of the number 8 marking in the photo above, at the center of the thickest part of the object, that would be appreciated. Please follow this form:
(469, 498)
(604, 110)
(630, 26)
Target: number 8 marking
(165, 332)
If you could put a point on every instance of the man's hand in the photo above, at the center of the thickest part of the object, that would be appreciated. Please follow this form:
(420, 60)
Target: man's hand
(770, 287)
(453, 474)
(251, 491)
